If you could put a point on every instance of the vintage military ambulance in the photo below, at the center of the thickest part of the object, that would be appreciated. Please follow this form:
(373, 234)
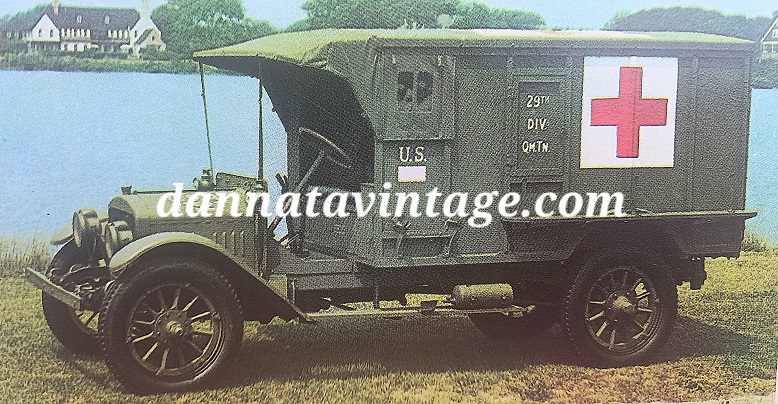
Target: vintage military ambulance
(660, 117)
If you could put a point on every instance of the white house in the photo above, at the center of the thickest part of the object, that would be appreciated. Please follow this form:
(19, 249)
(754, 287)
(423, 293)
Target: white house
(769, 42)
(145, 33)
(76, 29)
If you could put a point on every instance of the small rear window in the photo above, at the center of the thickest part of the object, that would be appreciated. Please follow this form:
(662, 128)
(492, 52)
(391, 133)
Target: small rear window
(414, 91)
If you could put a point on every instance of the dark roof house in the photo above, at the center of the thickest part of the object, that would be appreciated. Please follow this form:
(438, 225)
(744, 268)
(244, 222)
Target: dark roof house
(98, 20)
(80, 28)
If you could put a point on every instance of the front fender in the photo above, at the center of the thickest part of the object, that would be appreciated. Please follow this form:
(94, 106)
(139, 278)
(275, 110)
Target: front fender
(125, 257)
(252, 290)
(62, 235)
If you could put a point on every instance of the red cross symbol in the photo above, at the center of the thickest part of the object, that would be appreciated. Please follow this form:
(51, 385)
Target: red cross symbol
(629, 111)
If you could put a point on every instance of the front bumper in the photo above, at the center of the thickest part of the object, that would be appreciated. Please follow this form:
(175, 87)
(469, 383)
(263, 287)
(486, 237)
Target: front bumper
(43, 283)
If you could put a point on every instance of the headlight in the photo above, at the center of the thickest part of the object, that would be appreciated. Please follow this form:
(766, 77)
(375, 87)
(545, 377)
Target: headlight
(115, 236)
(86, 225)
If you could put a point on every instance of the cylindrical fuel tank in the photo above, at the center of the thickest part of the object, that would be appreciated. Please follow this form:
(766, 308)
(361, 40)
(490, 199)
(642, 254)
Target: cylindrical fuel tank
(485, 296)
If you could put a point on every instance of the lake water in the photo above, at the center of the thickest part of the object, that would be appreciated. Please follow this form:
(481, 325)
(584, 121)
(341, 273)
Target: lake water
(69, 140)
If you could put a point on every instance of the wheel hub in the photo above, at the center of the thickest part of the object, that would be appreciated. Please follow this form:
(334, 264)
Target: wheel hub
(172, 324)
(621, 307)
(175, 328)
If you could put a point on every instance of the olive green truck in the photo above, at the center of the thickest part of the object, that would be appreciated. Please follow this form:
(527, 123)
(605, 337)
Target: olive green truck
(650, 130)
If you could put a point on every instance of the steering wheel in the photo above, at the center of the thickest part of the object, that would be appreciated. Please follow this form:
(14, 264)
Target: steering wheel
(335, 154)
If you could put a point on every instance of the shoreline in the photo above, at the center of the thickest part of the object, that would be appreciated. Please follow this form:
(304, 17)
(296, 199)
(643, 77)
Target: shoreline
(79, 64)
(764, 71)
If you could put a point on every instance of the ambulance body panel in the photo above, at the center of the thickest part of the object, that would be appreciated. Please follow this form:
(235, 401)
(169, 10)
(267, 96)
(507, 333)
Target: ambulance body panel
(660, 117)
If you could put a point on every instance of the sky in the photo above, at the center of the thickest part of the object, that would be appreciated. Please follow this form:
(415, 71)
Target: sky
(571, 14)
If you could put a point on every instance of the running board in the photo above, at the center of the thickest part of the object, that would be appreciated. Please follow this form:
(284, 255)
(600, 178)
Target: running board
(424, 309)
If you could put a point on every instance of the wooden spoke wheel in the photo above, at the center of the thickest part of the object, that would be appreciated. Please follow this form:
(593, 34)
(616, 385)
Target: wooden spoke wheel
(621, 308)
(170, 328)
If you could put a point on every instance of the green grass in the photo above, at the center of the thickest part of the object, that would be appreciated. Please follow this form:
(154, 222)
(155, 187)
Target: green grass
(18, 252)
(724, 345)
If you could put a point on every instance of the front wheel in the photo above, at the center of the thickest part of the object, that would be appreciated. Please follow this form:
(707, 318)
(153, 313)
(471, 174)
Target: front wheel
(75, 329)
(621, 308)
(170, 328)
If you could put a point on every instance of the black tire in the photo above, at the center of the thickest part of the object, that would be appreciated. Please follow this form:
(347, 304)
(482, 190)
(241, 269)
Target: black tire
(76, 330)
(621, 308)
(500, 326)
(157, 313)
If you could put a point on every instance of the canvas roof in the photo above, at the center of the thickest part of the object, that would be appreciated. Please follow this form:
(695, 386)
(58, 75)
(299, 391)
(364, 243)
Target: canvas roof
(314, 48)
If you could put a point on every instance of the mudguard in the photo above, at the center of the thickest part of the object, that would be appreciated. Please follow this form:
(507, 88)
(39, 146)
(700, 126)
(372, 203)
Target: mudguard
(131, 253)
(63, 234)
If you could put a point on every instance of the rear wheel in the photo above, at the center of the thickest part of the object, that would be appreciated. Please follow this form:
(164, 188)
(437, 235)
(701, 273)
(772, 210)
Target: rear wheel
(532, 323)
(170, 328)
(621, 308)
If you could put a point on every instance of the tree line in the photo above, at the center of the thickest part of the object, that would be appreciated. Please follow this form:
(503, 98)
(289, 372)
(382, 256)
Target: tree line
(191, 25)
(412, 13)
(691, 19)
